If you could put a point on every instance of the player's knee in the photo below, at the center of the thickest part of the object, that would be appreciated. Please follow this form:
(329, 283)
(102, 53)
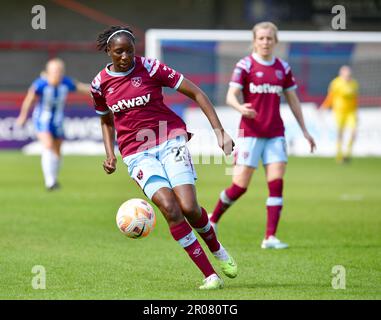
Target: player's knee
(171, 211)
(48, 145)
(190, 209)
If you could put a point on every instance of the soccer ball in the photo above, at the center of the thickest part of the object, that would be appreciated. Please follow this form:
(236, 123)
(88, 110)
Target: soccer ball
(136, 218)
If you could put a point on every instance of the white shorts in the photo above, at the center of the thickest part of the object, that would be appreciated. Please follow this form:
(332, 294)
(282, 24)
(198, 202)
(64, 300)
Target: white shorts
(249, 150)
(166, 165)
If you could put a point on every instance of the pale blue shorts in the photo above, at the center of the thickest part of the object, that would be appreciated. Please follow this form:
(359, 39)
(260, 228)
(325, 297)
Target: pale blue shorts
(249, 150)
(164, 166)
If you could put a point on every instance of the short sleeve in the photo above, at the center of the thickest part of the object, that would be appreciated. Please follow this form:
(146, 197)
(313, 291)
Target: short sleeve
(240, 71)
(38, 86)
(332, 86)
(289, 81)
(237, 78)
(69, 82)
(167, 76)
(99, 101)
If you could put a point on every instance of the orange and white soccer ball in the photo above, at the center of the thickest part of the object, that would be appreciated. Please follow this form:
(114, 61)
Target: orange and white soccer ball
(136, 218)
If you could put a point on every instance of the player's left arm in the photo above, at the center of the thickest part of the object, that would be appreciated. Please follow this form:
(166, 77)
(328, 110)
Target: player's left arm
(82, 87)
(357, 88)
(192, 91)
(294, 103)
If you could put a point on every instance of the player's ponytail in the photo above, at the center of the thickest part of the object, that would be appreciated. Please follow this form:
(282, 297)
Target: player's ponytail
(107, 35)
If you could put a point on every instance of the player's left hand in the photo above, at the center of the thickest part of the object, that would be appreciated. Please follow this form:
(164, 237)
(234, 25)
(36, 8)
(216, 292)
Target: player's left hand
(311, 141)
(225, 142)
(109, 165)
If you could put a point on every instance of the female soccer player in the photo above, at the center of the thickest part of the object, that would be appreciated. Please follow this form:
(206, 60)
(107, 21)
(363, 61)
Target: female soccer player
(152, 140)
(342, 97)
(50, 91)
(261, 78)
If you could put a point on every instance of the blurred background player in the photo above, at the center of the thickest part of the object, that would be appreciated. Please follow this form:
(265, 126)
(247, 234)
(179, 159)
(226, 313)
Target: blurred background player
(152, 140)
(343, 98)
(50, 92)
(261, 78)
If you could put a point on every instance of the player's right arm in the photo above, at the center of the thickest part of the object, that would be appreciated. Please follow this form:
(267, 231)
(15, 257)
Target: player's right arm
(107, 124)
(237, 82)
(327, 103)
(232, 99)
(29, 100)
(108, 133)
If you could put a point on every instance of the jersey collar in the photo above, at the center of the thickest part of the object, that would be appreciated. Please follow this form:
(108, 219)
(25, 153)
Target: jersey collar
(119, 74)
(257, 58)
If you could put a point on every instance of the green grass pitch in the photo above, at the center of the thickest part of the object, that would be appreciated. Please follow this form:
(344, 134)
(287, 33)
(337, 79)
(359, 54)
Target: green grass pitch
(332, 216)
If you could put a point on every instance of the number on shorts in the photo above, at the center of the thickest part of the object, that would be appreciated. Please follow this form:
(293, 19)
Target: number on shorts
(179, 153)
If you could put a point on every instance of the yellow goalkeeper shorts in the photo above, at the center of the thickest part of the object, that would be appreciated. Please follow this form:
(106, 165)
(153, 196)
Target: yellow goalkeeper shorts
(346, 119)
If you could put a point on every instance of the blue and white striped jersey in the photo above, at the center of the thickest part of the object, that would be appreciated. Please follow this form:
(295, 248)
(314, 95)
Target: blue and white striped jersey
(51, 99)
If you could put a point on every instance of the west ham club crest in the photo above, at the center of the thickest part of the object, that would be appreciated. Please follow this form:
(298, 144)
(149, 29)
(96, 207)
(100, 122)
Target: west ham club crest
(245, 154)
(136, 81)
(279, 74)
(140, 175)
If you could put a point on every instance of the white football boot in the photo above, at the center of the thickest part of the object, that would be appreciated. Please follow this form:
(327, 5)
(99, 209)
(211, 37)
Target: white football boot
(212, 282)
(273, 243)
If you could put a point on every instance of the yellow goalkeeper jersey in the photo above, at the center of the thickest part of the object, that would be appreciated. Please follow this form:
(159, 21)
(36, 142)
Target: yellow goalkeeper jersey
(342, 95)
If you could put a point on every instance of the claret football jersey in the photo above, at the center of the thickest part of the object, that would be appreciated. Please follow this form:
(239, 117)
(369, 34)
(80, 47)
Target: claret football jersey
(142, 120)
(262, 83)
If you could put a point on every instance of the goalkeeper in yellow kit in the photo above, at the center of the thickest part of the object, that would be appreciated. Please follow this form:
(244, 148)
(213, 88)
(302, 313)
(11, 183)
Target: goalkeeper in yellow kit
(342, 97)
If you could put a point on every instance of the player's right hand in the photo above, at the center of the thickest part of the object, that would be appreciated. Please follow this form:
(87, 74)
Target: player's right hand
(247, 111)
(109, 165)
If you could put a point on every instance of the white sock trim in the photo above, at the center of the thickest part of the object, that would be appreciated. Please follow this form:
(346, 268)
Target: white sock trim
(187, 240)
(274, 201)
(204, 229)
(225, 199)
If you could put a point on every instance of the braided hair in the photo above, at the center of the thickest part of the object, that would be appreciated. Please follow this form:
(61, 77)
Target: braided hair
(107, 35)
